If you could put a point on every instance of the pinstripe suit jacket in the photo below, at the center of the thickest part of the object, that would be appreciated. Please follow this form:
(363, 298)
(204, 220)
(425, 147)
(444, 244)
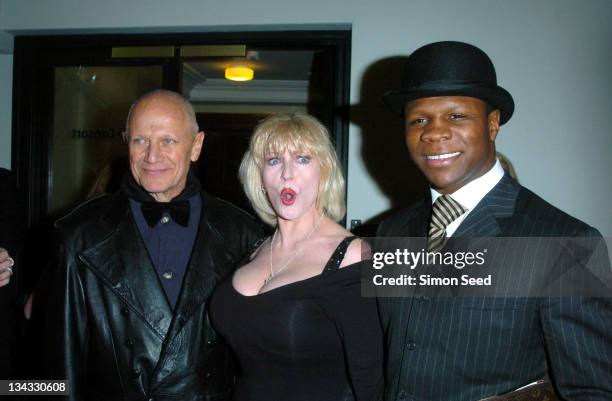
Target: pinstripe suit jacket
(470, 348)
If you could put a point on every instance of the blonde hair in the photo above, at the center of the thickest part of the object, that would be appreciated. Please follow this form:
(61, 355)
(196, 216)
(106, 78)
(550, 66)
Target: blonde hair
(300, 133)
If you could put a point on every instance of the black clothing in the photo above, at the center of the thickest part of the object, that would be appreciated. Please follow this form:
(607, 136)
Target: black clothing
(311, 340)
(109, 328)
(11, 229)
(11, 226)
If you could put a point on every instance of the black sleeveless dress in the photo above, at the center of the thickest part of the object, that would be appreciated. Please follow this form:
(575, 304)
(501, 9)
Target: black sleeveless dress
(311, 340)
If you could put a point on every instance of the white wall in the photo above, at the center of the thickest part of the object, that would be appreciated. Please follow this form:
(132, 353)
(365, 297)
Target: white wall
(6, 93)
(6, 42)
(552, 55)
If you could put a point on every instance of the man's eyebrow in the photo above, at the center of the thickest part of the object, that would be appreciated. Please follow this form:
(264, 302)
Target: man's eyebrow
(413, 110)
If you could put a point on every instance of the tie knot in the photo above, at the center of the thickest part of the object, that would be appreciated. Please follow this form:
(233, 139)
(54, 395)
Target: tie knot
(444, 211)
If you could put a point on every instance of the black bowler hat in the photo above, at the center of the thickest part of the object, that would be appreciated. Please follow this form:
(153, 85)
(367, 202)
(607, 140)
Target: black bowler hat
(450, 69)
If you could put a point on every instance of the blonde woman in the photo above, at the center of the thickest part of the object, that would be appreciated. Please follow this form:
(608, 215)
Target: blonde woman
(293, 312)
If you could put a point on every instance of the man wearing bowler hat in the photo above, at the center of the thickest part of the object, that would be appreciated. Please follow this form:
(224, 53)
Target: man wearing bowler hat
(472, 348)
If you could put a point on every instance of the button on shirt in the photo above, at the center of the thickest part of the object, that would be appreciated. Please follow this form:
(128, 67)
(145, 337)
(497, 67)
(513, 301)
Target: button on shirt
(471, 194)
(165, 219)
(169, 245)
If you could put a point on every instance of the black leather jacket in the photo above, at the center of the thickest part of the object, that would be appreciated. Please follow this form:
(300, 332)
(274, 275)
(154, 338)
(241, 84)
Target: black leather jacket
(109, 328)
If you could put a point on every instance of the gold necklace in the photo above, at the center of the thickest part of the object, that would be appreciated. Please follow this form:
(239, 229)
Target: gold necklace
(272, 273)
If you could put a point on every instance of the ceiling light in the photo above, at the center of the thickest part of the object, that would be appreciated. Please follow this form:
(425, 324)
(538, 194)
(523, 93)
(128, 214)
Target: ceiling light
(239, 73)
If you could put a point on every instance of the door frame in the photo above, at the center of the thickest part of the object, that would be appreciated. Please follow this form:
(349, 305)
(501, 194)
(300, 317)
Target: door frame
(36, 56)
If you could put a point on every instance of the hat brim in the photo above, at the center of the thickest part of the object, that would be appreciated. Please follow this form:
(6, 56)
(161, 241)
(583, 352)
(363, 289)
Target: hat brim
(497, 97)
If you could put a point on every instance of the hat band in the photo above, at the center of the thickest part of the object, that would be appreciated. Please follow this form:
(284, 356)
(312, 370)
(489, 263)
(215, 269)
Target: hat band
(448, 84)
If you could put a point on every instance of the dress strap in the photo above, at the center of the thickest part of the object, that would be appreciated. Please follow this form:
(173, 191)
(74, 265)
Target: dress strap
(338, 256)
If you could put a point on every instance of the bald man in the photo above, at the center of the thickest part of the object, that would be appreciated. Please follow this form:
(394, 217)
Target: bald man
(126, 317)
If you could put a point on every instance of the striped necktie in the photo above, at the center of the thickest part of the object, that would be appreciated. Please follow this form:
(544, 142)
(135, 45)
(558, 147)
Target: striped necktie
(444, 211)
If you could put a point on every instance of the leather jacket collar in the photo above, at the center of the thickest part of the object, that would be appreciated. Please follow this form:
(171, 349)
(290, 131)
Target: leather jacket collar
(121, 261)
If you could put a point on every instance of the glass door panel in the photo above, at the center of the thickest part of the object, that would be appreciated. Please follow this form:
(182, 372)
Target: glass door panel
(90, 108)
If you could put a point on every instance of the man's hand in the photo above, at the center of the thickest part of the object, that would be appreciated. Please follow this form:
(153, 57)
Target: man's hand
(6, 267)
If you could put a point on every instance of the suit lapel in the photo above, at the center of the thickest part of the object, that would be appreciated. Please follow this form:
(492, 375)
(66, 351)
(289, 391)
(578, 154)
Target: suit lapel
(420, 221)
(122, 263)
(487, 219)
(198, 283)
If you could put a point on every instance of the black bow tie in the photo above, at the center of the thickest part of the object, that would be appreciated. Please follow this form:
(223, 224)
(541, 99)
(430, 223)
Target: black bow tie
(177, 209)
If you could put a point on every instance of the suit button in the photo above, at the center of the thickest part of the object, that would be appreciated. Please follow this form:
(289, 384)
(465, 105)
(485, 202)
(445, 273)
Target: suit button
(125, 311)
(403, 396)
(129, 343)
(210, 342)
(208, 375)
(411, 346)
(135, 372)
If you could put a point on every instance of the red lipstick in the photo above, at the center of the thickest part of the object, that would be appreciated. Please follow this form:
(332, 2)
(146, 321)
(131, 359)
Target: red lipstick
(287, 196)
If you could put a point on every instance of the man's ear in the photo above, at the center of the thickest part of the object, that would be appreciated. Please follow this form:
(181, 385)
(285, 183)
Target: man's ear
(493, 124)
(198, 144)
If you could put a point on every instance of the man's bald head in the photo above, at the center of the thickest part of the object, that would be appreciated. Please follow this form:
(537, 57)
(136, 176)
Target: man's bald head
(164, 93)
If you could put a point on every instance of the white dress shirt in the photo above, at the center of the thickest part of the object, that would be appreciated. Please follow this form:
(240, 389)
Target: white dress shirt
(472, 193)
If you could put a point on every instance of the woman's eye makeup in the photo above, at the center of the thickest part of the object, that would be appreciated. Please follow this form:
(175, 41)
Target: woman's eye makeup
(304, 159)
(272, 160)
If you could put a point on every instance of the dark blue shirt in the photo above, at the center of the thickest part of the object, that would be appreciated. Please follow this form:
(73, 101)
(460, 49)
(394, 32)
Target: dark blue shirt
(170, 245)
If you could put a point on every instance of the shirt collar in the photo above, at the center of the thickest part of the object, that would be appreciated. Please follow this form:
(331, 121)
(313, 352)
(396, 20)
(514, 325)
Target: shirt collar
(472, 193)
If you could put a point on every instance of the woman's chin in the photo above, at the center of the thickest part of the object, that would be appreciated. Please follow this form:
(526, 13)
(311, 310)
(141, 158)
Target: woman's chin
(292, 213)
